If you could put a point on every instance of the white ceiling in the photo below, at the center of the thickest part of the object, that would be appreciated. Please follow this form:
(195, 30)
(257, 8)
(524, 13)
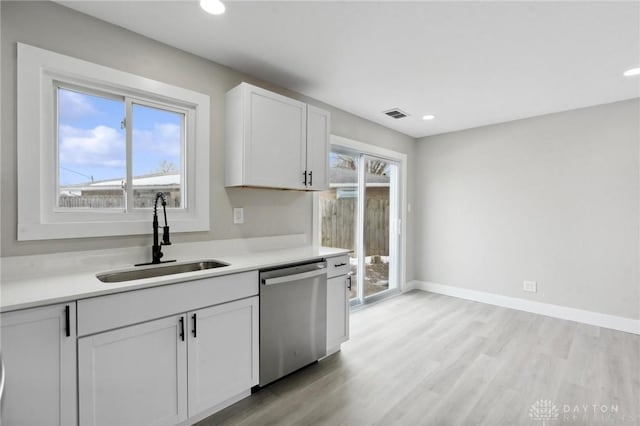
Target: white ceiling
(470, 64)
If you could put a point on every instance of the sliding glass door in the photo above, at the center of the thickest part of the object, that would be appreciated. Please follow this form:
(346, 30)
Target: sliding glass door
(339, 209)
(378, 233)
(360, 212)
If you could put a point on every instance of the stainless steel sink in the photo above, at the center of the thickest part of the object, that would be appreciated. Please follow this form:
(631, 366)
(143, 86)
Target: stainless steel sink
(158, 271)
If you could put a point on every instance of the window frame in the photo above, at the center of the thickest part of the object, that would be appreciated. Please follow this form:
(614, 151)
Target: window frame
(128, 103)
(40, 73)
(185, 128)
(71, 86)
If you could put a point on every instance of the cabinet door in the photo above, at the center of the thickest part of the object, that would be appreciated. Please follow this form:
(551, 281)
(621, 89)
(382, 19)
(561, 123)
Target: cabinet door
(223, 353)
(337, 312)
(275, 139)
(40, 365)
(134, 375)
(318, 131)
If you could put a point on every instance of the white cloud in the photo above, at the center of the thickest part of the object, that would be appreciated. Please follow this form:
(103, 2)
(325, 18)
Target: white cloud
(101, 146)
(163, 139)
(74, 105)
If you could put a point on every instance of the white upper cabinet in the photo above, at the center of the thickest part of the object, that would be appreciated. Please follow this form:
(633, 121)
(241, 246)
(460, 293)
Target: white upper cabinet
(273, 141)
(318, 131)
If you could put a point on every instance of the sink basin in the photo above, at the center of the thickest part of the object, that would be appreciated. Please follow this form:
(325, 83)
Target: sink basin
(158, 271)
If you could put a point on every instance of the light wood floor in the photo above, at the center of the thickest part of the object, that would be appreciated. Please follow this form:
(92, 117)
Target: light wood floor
(427, 359)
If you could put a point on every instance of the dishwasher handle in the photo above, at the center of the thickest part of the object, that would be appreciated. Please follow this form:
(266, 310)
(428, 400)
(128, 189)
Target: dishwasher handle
(293, 277)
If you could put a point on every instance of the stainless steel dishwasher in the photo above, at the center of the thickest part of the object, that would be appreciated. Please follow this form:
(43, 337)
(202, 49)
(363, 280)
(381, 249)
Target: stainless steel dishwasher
(293, 318)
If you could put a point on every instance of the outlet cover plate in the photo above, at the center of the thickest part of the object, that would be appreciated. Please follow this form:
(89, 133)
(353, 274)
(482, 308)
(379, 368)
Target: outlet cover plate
(238, 215)
(530, 286)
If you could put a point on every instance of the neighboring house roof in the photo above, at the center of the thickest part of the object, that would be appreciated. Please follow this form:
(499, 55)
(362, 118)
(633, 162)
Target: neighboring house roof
(149, 180)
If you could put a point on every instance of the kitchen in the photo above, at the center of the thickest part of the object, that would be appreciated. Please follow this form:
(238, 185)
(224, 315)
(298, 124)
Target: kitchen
(231, 214)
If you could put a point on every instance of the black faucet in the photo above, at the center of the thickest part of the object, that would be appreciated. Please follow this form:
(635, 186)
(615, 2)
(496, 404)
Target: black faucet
(156, 249)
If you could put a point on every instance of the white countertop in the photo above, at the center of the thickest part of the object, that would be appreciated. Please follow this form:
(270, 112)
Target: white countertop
(29, 281)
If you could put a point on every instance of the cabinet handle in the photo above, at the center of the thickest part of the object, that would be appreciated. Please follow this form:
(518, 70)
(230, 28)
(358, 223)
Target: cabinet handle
(67, 321)
(310, 178)
(182, 328)
(2, 378)
(337, 265)
(305, 177)
(349, 278)
(194, 324)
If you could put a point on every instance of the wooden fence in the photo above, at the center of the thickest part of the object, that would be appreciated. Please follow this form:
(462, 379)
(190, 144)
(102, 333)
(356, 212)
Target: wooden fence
(339, 224)
(95, 200)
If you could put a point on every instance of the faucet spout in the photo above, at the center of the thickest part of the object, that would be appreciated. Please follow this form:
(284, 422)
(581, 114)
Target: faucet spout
(156, 252)
(156, 249)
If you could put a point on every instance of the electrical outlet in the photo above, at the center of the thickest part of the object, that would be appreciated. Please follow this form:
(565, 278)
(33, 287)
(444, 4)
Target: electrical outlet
(238, 215)
(530, 286)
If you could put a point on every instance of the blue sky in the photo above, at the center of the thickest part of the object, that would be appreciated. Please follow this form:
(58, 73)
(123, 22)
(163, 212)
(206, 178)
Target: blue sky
(92, 144)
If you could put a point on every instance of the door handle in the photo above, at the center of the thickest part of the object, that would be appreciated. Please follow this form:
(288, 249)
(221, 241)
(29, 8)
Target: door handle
(349, 278)
(305, 177)
(310, 178)
(194, 324)
(337, 265)
(182, 328)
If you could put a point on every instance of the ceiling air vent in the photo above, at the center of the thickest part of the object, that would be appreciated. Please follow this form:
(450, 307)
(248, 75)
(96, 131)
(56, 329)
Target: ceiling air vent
(396, 113)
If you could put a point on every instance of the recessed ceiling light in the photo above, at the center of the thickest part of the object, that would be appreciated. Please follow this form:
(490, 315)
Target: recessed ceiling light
(428, 117)
(214, 7)
(632, 71)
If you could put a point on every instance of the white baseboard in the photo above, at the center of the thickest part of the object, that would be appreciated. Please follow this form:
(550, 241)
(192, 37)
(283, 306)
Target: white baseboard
(628, 325)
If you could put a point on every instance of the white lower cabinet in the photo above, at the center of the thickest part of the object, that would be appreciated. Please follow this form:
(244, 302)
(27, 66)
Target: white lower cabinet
(223, 353)
(337, 311)
(166, 371)
(39, 355)
(144, 357)
(135, 375)
(338, 294)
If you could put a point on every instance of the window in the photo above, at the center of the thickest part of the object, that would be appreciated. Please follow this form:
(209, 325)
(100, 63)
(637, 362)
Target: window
(91, 150)
(106, 142)
(93, 142)
(157, 142)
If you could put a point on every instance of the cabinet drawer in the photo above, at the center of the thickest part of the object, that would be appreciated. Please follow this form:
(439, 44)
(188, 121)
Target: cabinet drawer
(337, 266)
(117, 310)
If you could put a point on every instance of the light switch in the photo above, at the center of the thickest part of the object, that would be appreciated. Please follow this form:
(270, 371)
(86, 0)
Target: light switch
(238, 215)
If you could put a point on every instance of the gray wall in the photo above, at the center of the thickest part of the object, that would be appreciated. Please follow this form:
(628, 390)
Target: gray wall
(51, 26)
(552, 199)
